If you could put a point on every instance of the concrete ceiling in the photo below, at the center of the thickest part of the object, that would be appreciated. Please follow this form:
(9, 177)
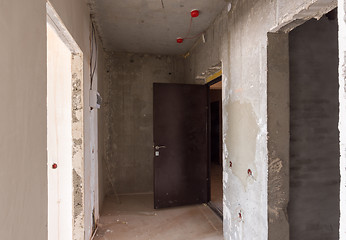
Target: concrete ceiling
(152, 26)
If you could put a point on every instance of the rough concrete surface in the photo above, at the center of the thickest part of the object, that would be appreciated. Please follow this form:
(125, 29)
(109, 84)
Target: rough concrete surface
(152, 26)
(129, 150)
(238, 38)
(278, 135)
(314, 144)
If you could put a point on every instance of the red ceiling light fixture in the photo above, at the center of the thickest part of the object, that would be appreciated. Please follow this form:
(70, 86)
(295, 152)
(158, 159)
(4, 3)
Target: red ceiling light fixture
(194, 13)
(180, 40)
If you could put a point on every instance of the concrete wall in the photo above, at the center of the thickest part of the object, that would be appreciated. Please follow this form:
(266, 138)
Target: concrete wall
(23, 144)
(238, 38)
(128, 154)
(101, 114)
(314, 146)
(278, 134)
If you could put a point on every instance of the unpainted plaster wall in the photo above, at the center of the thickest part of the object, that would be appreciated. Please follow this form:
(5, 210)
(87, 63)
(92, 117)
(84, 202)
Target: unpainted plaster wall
(101, 114)
(128, 157)
(314, 144)
(278, 134)
(23, 142)
(238, 38)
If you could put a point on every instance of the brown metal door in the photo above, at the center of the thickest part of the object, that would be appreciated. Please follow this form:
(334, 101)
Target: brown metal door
(181, 147)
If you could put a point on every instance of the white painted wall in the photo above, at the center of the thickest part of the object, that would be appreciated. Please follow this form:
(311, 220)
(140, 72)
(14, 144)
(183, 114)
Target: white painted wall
(59, 142)
(342, 114)
(23, 129)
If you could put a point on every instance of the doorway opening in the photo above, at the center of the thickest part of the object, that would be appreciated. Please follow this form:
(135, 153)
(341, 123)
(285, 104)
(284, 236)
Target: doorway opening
(215, 145)
(313, 209)
(65, 139)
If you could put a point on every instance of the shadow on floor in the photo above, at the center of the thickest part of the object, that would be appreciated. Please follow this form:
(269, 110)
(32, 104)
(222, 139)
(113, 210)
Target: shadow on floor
(216, 186)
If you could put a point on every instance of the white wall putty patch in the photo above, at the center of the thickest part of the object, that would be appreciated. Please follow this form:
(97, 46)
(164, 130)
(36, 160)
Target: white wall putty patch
(243, 165)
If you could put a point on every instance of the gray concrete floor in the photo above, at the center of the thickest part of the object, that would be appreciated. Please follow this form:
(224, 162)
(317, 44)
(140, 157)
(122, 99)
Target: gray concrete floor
(134, 217)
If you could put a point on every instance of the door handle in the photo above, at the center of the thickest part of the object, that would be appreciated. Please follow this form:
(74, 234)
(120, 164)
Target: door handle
(158, 147)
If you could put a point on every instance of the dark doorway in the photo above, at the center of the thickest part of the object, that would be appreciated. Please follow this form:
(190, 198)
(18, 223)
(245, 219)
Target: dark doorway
(314, 137)
(181, 144)
(215, 131)
(215, 141)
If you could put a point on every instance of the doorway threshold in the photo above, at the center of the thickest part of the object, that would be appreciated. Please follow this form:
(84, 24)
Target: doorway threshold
(216, 210)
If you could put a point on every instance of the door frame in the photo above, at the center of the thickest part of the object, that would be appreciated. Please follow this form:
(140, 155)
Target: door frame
(77, 109)
(210, 204)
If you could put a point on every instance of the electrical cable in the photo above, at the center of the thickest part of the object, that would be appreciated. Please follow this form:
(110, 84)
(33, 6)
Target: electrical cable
(188, 32)
(93, 49)
(196, 36)
(91, 53)
(96, 51)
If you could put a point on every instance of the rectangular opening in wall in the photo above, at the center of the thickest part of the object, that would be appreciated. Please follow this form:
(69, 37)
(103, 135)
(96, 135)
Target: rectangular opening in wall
(59, 136)
(215, 145)
(314, 137)
(64, 132)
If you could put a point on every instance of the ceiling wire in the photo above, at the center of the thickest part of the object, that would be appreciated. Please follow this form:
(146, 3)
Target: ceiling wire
(163, 5)
(94, 49)
(189, 31)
